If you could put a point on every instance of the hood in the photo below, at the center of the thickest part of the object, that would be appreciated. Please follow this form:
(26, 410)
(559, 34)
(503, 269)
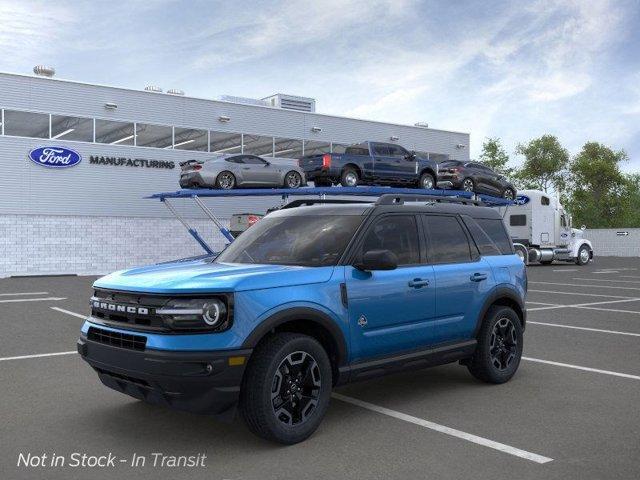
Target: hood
(202, 276)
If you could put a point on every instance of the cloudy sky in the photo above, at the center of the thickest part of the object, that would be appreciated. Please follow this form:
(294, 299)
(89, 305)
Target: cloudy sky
(514, 70)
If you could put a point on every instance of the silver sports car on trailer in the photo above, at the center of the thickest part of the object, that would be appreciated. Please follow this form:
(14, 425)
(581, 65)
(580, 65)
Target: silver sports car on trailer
(241, 170)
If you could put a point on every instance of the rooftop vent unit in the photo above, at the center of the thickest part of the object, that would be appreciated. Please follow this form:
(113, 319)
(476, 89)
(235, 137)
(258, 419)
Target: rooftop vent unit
(175, 91)
(153, 88)
(44, 71)
(244, 100)
(292, 102)
(422, 124)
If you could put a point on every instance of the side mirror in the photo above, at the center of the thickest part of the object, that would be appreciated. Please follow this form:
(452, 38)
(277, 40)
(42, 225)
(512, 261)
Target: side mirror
(378, 260)
(410, 156)
(267, 164)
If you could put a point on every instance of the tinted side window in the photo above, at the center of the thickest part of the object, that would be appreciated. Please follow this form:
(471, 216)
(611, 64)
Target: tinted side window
(396, 233)
(235, 159)
(494, 228)
(357, 151)
(381, 150)
(518, 220)
(544, 200)
(397, 151)
(483, 241)
(448, 242)
(253, 160)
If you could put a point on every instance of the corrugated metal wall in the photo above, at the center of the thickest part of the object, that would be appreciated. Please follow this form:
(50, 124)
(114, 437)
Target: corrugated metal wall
(101, 190)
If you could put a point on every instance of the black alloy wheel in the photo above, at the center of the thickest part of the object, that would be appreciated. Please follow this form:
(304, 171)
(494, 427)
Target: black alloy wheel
(296, 388)
(467, 185)
(504, 344)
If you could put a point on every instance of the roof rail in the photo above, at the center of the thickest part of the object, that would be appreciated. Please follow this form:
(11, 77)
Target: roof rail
(399, 199)
(319, 201)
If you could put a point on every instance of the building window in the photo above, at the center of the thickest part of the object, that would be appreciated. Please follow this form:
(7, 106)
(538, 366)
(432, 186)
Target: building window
(224, 142)
(312, 147)
(72, 128)
(157, 136)
(258, 145)
(190, 139)
(114, 133)
(26, 124)
(287, 148)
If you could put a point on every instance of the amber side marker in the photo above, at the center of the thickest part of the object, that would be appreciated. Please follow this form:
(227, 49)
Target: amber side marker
(236, 361)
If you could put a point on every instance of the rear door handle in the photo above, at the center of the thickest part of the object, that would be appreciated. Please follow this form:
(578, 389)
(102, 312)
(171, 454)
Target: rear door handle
(478, 277)
(246, 168)
(418, 283)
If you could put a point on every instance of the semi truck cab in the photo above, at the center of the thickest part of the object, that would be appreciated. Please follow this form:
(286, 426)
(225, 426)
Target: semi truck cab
(542, 232)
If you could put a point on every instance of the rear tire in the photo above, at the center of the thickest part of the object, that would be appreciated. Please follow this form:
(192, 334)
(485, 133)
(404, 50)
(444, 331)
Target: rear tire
(349, 177)
(292, 180)
(225, 180)
(499, 349)
(286, 388)
(468, 185)
(509, 194)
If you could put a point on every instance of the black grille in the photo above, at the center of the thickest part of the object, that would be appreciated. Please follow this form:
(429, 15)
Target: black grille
(146, 321)
(117, 339)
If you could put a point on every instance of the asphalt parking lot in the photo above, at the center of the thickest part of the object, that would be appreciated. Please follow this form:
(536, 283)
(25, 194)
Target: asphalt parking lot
(570, 412)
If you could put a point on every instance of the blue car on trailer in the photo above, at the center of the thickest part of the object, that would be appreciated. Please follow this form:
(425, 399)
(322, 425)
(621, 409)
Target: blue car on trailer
(313, 296)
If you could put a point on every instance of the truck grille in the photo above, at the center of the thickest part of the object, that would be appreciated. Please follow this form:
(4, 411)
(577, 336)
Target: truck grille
(117, 339)
(128, 309)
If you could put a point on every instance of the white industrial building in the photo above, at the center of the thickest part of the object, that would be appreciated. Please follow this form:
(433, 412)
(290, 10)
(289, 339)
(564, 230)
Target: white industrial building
(92, 218)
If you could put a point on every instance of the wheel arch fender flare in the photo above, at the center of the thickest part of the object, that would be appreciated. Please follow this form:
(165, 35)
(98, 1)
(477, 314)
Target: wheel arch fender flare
(297, 314)
(579, 244)
(502, 295)
(353, 166)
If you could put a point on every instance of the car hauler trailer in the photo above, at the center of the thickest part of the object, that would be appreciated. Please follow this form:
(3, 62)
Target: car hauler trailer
(541, 230)
(310, 192)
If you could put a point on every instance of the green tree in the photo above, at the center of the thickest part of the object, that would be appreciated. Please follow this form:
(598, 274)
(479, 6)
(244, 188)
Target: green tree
(545, 164)
(495, 156)
(600, 194)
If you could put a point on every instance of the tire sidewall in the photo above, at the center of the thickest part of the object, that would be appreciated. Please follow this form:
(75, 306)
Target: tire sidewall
(578, 259)
(484, 344)
(343, 177)
(286, 184)
(232, 176)
(297, 433)
(421, 181)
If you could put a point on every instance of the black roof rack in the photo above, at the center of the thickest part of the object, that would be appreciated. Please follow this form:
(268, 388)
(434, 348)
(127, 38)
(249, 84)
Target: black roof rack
(399, 199)
(319, 201)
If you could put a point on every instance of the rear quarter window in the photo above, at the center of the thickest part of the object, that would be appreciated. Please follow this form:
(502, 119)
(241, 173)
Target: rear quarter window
(497, 233)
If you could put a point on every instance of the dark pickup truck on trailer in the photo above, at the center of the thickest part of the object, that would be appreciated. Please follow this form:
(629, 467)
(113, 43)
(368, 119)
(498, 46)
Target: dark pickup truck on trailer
(370, 163)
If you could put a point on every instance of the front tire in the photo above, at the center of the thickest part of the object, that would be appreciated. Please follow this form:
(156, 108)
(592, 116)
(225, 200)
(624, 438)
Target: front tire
(226, 180)
(499, 349)
(427, 182)
(286, 388)
(584, 255)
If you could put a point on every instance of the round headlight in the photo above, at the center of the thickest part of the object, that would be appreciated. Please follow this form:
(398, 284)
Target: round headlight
(213, 312)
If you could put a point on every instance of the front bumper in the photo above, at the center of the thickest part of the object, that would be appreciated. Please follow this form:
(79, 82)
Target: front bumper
(198, 382)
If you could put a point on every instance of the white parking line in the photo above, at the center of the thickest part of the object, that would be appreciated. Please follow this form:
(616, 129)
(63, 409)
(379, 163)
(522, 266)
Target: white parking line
(39, 355)
(23, 293)
(629, 276)
(566, 270)
(540, 303)
(47, 299)
(608, 309)
(605, 272)
(578, 294)
(598, 330)
(586, 369)
(586, 305)
(607, 280)
(583, 285)
(73, 314)
(485, 442)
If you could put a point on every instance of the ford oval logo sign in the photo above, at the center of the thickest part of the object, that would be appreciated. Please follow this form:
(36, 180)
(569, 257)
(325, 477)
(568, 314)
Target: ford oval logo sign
(522, 200)
(55, 157)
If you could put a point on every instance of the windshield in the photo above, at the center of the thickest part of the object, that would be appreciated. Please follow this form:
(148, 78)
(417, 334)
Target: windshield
(310, 241)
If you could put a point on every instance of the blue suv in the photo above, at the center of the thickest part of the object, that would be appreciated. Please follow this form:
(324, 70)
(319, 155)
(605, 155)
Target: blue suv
(310, 298)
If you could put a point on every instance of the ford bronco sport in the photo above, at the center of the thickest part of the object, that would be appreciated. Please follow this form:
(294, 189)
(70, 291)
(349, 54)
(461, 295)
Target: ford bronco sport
(310, 298)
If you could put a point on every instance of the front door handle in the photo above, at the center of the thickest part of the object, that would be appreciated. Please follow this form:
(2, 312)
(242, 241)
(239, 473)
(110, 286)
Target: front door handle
(478, 277)
(418, 283)
(246, 168)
